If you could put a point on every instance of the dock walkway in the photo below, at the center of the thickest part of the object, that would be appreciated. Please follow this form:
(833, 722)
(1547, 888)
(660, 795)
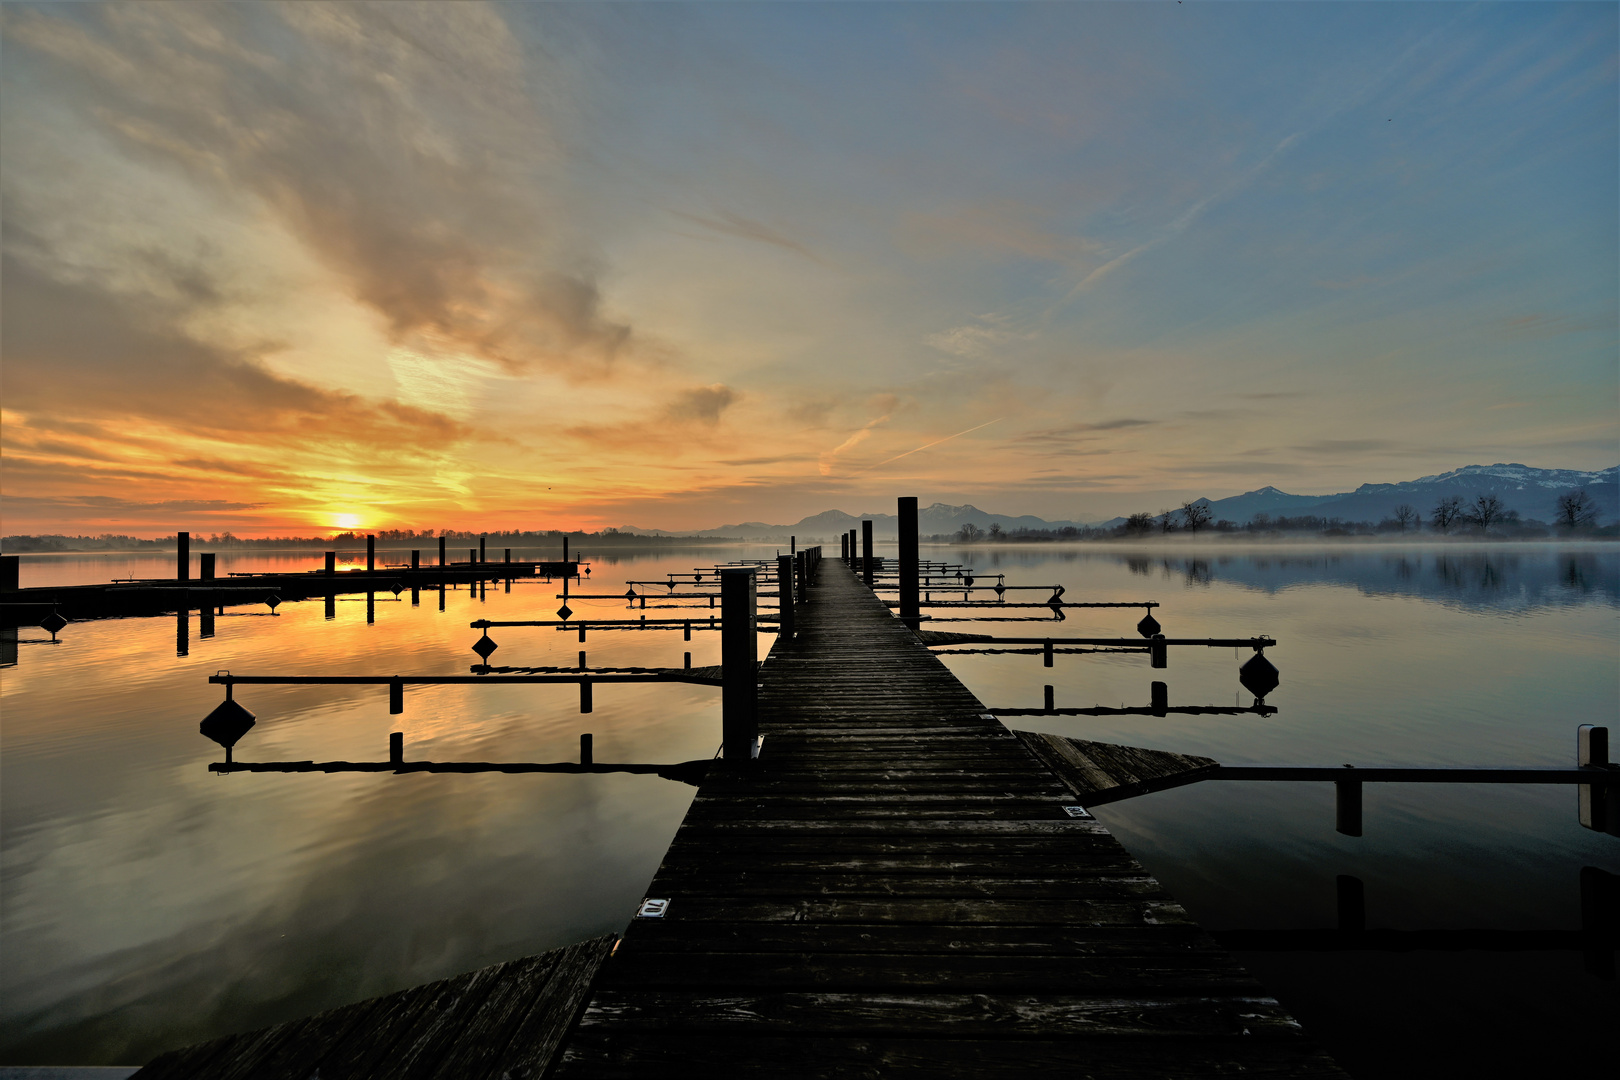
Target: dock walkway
(896, 887)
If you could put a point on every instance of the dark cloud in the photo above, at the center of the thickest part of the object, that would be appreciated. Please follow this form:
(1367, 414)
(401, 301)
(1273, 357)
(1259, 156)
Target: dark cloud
(703, 404)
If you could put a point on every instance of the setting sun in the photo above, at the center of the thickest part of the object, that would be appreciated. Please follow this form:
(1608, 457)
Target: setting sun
(346, 521)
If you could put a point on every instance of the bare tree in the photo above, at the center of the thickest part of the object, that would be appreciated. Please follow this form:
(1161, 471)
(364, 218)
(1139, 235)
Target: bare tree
(1487, 510)
(1167, 520)
(968, 533)
(1406, 516)
(1577, 510)
(995, 531)
(1139, 523)
(1195, 516)
(1446, 513)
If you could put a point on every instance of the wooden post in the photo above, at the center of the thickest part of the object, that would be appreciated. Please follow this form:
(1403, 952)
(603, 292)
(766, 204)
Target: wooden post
(784, 599)
(1051, 699)
(206, 569)
(331, 563)
(910, 613)
(843, 542)
(396, 748)
(371, 608)
(1161, 699)
(586, 756)
(480, 549)
(585, 695)
(182, 555)
(472, 556)
(565, 555)
(416, 558)
(1046, 654)
(1352, 896)
(331, 605)
(396, 697)
(371, 553)
(508, 554)
(793, 545)
(442, 560)
(182, 631)
(866, 552)
(1596, 807)
(1159, 651)
(739, 659)
(10, 572)
(1347, 806)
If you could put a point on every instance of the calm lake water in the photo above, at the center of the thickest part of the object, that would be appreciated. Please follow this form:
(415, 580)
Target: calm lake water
(146, 903)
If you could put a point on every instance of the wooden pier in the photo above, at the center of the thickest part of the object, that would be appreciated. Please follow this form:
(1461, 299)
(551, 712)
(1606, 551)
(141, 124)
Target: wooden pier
(896, 885)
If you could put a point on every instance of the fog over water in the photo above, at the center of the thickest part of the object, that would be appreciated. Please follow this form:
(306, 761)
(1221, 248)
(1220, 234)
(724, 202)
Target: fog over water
(148, 903)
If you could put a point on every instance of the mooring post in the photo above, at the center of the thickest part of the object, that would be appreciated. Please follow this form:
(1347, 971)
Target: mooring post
(585, 705)
(843, 542)
(1161, 699)
(1050, 699)
(396, 697)
(480, 549)
(371, 553)
(205, 569)
(396, 748)
(866, 552)
(508, 554)
(793, 545)
(1158, 651)
(1597, 806)
(910, 613)
(784, 599)
(416, 558)
(10, 572)
(1046, 653)
(586, 756)
(565, 555)
(182, 554)
(739, 659)
(1347, 806)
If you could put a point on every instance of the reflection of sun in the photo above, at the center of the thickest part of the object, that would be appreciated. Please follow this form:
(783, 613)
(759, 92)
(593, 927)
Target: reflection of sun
(347, 521)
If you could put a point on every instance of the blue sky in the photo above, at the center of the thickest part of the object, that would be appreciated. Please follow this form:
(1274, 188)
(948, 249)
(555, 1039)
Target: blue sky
(676, 264)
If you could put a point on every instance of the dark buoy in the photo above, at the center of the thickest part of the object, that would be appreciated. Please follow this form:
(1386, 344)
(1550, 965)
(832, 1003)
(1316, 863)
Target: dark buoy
(484, 646)
(227, 723)
(272, 601)
(52, 623)
(1259, 676)
(1148, 626)
(564, 611)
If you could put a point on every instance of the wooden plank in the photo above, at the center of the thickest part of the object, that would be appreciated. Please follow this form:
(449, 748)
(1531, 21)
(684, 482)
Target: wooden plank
(1100, 773)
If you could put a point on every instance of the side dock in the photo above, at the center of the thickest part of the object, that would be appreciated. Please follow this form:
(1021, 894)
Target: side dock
(898, 885)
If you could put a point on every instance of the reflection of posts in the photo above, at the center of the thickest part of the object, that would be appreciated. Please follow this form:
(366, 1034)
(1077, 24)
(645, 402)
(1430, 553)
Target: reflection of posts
(739, 652)
(1347, 806)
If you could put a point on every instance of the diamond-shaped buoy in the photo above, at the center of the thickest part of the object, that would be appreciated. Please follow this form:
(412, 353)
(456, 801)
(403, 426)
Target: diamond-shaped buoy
(52, 623)
(1259, 676)
(968, 581)
(398, 588)
(1148, 626)
(484, 646)
(227, 723)
(1000, 589)
(273, 601)
(630, 594)
(564, 611)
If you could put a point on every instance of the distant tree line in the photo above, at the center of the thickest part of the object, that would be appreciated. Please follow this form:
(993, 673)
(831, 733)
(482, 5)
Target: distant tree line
(1577, 512)
(20, 544)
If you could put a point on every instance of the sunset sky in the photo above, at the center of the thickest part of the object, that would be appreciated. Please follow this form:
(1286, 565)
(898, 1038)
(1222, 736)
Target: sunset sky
(287, 268)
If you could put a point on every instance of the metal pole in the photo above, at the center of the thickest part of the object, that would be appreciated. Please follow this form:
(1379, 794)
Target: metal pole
(739, 659)
(908, 562)
(866, 546)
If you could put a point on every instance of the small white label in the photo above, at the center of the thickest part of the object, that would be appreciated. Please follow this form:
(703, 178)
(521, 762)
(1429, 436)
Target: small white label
(1076, 811)
(652, 909)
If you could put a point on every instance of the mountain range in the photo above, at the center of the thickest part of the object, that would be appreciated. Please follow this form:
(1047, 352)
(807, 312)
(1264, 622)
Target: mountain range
(1532, 492)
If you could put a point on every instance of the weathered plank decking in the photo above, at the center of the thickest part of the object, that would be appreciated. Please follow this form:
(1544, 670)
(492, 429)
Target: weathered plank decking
(1101, 773)
(897, 888)
(501, 1021)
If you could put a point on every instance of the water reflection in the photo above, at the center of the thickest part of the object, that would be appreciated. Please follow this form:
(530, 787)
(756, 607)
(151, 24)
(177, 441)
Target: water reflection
(1481, 578)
